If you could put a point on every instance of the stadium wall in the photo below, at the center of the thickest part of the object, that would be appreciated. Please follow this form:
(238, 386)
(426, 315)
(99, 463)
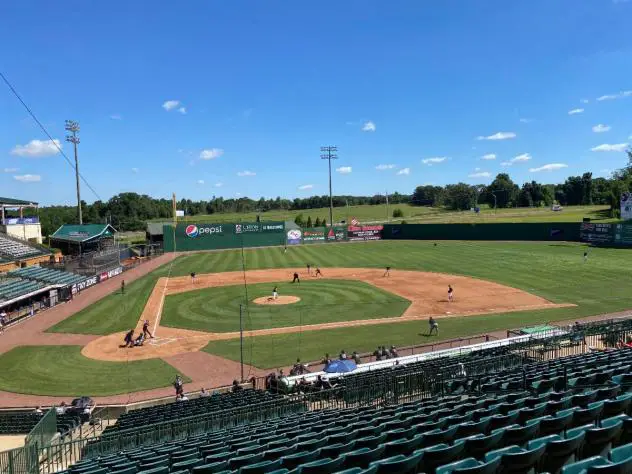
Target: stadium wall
(195, 237)
(562, 231)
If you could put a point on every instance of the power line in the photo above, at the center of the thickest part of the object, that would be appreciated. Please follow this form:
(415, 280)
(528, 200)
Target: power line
(52, 140)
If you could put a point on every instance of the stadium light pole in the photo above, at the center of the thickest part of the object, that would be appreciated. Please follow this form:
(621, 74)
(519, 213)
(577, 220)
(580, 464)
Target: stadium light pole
(329, 153)
(73, 128)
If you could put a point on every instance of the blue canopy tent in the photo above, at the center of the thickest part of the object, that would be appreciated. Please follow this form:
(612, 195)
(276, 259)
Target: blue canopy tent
(341, 366)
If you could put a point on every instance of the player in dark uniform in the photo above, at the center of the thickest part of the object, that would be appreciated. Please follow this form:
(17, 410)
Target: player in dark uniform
(434, 326)
(129, 339)
(309, 269)
(387, 272)
(123, 287)
(318, 272)
(296, 279)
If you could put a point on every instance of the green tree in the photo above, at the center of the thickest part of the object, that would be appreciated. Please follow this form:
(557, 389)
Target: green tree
(309, 221)
(324, 223)
(427, 196)
(398, 213)
(460, 196)
(298, 220)
(317, 222)
(504, 190)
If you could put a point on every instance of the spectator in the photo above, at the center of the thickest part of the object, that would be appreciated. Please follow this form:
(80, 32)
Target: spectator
(356, 357)
(204, 393)
(298, 368)
(283, 382)
(393, 352)
(343, 355)
(39, 411)
(384, 352)
(323, 383)
(236, 387)
(461, 371)
(181, 397)
(377, 354)
(327, 360)
(178, 385)
(61, 409)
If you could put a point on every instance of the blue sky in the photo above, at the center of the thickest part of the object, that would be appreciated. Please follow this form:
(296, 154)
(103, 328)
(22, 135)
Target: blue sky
(234, 98)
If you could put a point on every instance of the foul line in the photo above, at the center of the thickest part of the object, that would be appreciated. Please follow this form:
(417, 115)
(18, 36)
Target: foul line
(162, 297)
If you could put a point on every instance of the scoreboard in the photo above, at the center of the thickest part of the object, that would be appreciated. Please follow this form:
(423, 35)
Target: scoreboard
(613, 234)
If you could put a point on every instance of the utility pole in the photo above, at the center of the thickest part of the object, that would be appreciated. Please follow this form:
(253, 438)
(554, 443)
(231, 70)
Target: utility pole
(73, 128)
(329, 153)
(388, 218)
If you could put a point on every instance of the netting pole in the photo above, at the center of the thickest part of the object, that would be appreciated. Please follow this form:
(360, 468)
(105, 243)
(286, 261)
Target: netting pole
(241, 341)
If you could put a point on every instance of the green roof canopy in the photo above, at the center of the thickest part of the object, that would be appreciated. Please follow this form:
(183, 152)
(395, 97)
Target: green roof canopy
(82, 233)
(16, 202)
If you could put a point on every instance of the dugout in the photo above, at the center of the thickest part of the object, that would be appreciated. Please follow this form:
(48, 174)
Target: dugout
(74, 239)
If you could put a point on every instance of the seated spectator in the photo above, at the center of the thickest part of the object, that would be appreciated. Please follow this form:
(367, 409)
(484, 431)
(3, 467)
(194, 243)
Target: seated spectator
(236, 387)
(298, 368)
(343, 355)
(393, 353)
(356, 357)
(39, 411)
(61, 409)
(326, 361)
(282, 382)
(377, 353)
(628, 342)
(323, 383)
(461, 371)
(303, 386)
(204, 393)
(384, 352)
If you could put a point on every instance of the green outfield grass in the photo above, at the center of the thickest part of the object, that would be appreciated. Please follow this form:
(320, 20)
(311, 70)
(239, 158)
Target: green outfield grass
(63, 371)
(322, 301)
(420, 215)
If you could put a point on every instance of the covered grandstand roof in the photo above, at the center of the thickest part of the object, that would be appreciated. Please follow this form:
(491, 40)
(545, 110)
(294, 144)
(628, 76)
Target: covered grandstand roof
(83, 233)
(6, 202)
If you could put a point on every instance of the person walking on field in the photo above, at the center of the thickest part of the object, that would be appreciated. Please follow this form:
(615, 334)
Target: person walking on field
(434, 326)
(318, 273)
(450, 294)
(387, 272)
(309, 269)
(146, 331)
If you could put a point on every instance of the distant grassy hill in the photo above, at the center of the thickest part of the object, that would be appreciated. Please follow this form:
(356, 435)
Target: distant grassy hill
(420, 215)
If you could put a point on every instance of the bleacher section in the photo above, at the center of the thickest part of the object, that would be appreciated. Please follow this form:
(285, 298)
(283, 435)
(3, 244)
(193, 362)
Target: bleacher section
(17, 250)
(573, 417)
(198, 406)
(48, 276)
(14, 287)
(18, 422)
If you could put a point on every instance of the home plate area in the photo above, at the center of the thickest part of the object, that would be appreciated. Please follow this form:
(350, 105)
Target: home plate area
(161, 341)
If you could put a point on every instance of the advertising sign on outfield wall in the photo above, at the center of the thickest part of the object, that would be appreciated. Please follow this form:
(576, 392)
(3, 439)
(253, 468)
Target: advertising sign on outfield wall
(336, 234)
(82, 285)
(365, 232)
(293, 236)
(314, 235)
(110, 274)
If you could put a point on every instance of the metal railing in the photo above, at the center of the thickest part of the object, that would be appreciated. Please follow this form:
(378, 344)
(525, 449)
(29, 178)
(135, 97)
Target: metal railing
(43, 432)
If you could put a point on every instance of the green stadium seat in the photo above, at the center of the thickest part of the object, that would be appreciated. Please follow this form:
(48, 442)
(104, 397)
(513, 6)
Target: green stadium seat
(362, 457)
(619, 405)
(582, 466)
(157, 470)
(477, 445)
(294, 460)
(187, 465)
(261, 467)
(211, 468)
(321, 466)
(398, 464)
(516, 459)
(334, 450)
(470, 466)
(238, 461)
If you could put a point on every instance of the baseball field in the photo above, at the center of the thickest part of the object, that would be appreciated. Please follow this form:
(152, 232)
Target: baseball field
(74, 350)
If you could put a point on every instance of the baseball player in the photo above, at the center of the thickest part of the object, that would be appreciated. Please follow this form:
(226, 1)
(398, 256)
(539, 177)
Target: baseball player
(192, 277)
(275, 294)
(434, 326)
(146, 331)
(585, 257)
(309, 269)
(450, 294)
(129, 339)
(296, 278)
(387, 272)
(318, 272)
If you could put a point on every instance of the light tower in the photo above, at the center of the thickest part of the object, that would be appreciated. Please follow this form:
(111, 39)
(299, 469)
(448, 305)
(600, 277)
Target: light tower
(329, 153)
(73, 128)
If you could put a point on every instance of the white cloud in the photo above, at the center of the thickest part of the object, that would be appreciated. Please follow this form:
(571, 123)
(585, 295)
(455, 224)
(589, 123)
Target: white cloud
(506, 163)
(526, 120)
(498, 136)
(37, 148)
(522, 157)
(246, 173)
(584, 101)
(237, 194)
(435, 160)
(218, 185)
(489, 156)
(384, 167)
(134, 170)
(211, 153)
(620, 95)
(600, 128)
(344, 169)
(576, 111)
(116, 117)
(305, 187)
(480, 174)
(182, 110)
(200, 181)
(368, 126)
(28, 178)
(609, 147)
(549, 167)
(170, 105)
(10, 170)
(404, 171)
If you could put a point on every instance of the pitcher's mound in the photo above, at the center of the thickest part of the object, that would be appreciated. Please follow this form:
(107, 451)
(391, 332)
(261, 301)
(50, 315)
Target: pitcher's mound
(279, 300)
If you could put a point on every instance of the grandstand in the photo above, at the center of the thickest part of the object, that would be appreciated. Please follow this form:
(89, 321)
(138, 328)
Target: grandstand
(509, 408)
(14, 249)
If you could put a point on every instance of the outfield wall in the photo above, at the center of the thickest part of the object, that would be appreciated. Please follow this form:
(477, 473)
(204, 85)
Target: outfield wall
(192, 237)
(568, 231)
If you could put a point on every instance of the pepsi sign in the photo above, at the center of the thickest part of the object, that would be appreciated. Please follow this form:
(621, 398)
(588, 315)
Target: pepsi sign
(194, 231)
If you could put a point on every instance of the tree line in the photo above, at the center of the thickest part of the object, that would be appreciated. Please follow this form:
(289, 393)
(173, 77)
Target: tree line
(131, 211)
